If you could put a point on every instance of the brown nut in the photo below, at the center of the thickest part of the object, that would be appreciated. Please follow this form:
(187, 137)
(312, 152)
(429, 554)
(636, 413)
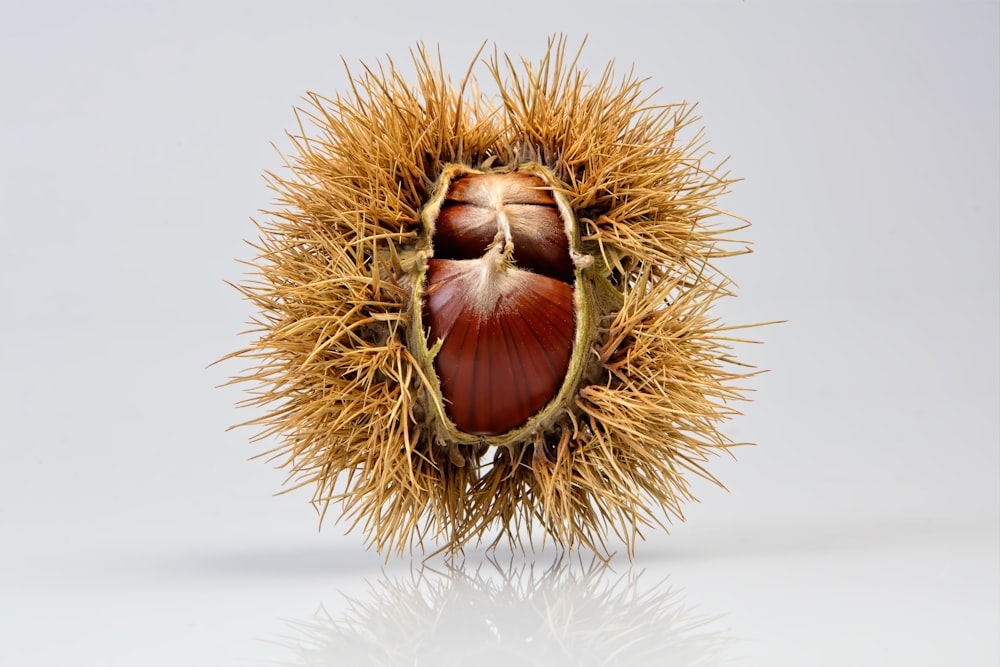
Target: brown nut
(473, 207)
(506, 337)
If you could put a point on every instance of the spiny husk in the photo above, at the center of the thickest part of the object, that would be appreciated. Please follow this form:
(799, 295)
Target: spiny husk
(345, 396)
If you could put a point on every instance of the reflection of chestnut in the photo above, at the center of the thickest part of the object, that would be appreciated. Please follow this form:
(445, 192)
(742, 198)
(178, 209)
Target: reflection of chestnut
(498, 297)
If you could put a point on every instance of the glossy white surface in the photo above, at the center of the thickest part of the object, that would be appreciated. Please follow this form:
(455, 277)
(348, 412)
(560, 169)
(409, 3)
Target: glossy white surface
(868, 594)
(863, 530)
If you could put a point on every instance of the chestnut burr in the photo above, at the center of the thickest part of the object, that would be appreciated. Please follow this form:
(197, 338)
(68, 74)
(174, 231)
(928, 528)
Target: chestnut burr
(484, 313)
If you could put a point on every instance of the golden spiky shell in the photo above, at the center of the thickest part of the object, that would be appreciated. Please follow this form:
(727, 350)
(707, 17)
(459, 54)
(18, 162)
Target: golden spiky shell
(346, 391)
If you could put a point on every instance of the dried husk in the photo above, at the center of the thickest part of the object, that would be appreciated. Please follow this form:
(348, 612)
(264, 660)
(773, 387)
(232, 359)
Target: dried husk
(340, 363)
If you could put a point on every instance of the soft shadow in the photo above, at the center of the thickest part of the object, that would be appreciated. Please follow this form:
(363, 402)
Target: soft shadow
(256, 563)
(819, 537)
(566, 614)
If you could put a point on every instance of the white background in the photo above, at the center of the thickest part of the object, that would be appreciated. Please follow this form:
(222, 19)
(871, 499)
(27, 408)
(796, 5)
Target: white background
(862, 530)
